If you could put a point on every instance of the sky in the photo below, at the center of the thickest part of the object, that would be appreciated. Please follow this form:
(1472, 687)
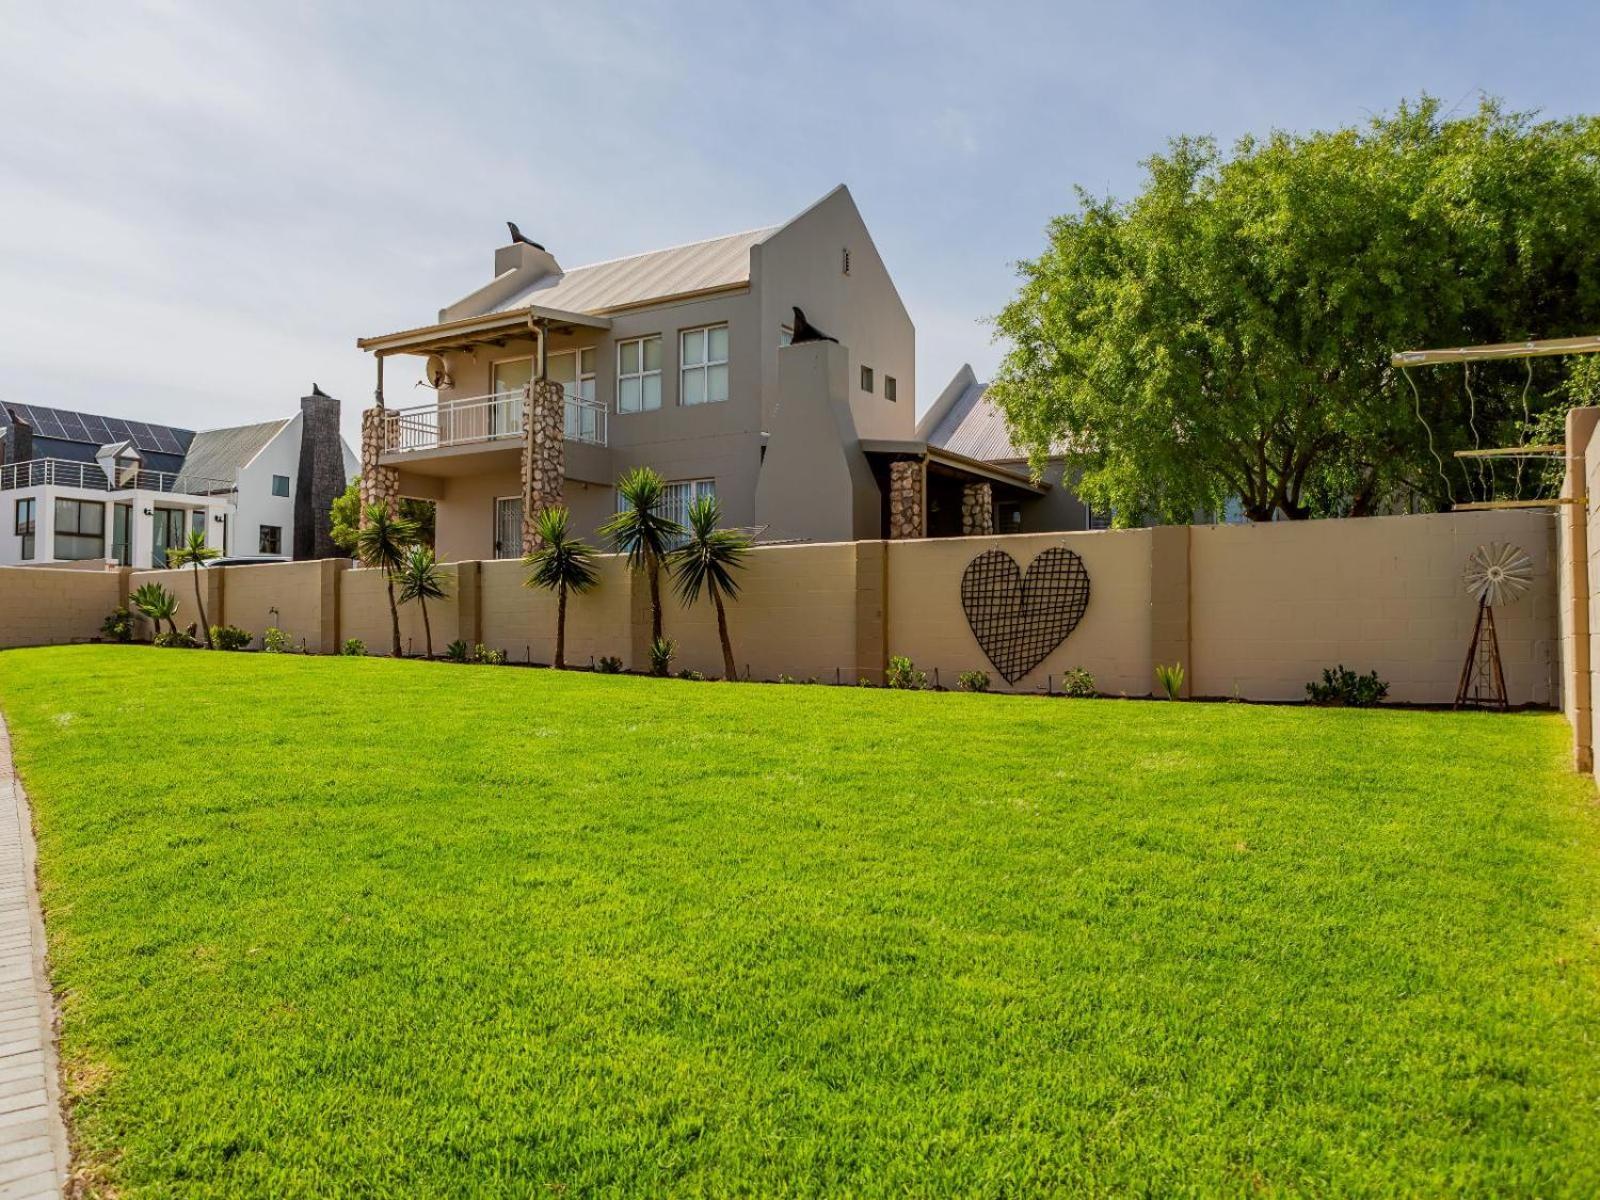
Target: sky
(202, 206)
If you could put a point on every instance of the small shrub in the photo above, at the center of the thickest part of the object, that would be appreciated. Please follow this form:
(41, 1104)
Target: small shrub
(275, 641)
(118, 627)
(229, 637)
(972, 681)
(609, 664)
(174, 639)
(1342, 686)
(457, 651)
(864, 682)
(784, 678)
(1171, 680)
(694, 676)
(354, 648)
(1078, 682)
(903, 674)
(489, 658)
(662, 651)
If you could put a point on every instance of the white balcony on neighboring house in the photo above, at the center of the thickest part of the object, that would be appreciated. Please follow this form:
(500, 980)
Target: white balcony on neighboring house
(482, 420)
(92, 477)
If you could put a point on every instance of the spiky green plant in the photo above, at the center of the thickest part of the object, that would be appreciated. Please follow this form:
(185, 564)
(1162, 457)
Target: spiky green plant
(705, 562)
(155, 602)
(195, 553)
(642, 530)
(1171, 680)
(382, 543)
(421, 580)
(560, 563)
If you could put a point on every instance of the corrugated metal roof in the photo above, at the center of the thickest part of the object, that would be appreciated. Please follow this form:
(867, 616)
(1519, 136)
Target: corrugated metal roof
(221, 453)
(655, 275)
(976, 428)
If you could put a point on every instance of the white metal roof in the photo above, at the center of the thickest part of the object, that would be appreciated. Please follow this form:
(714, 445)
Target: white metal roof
(973, 426)
(676, 271)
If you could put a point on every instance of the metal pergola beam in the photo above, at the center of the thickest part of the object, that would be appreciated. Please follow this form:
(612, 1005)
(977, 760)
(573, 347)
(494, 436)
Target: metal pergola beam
(1501, 352)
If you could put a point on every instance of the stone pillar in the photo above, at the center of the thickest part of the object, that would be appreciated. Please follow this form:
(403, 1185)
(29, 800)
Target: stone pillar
(543, 454)
(906, 500)
(977, 509)
(379, 484)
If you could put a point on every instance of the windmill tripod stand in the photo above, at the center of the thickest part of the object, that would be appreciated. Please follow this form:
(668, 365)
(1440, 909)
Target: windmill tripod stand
(1483, 679)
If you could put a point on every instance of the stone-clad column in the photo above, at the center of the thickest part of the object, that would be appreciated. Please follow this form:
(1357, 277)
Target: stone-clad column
(905, 499)
(977, 509)
(543, 455)
(379, 484)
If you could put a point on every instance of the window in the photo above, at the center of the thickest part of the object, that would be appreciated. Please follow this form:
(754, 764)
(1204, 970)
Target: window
(26, 514)
(889, 392)
(272, 539)
(507, 381)
(197, 521)
(80, 529)
(866, 379)
(574, 370)
(280, 485)
(639, 374)
(704, 365)
(845, 256)
(166, 532)
(677, 496)
(508, 527)
(122, 534)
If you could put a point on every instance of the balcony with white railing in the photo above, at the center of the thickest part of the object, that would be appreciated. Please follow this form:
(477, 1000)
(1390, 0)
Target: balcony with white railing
(476, 420)
(91, 477)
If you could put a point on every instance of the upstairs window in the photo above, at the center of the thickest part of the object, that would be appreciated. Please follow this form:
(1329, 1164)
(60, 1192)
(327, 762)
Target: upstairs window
(639, 374)
(890, 392)
(866, 379)
(280, 485)
(704, 365)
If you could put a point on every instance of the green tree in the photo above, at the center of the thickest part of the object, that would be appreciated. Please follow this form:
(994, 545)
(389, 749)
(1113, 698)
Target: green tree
(345, 517)
(706, 561)
(560, 563)
(642, 531)
(421, 580)
(195, 553)
(382, 543)
(155, 602)
(1228, 332)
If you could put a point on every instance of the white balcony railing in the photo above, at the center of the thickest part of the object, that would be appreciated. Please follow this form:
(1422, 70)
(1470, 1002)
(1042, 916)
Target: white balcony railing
(69, 473)
(493, 418)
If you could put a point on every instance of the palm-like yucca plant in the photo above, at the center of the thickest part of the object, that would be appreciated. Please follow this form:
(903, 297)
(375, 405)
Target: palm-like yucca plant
(705, 562)
(155, 602)
(421, 580)
(643, 531)
(382, 542)
(195, 553)
(560, 563)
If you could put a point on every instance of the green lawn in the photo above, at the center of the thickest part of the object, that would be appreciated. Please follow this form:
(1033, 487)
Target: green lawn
(332, 926)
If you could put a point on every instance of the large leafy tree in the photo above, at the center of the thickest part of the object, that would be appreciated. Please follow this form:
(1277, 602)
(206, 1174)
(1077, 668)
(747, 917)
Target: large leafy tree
(345, 517)
(1227, 333)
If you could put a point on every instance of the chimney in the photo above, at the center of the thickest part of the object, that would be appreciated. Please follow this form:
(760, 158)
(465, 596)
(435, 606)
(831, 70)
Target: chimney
(16, 438)
(530, 262)
(320, 479)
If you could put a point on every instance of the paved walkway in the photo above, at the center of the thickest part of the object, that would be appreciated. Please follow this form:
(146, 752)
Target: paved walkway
(33, 1140)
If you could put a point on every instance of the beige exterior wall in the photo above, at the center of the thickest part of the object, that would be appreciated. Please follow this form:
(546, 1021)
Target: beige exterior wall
(1272, 605)
(250, 593)
(926, 622)
(40, 606)
(364, 614)
(522, 621)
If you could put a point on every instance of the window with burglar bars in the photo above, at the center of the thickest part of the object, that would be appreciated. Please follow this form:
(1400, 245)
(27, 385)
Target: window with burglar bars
(677, 496)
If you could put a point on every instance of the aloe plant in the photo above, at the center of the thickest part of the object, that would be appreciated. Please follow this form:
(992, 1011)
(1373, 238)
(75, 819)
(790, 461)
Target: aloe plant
(155, 602)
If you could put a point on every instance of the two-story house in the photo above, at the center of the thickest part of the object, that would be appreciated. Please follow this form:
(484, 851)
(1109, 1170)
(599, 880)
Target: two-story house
(676, 359)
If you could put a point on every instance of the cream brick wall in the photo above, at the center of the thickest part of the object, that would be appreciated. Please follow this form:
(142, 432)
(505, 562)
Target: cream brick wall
(522, 621)
(250, 593)
(927, 624)
(364, 613)
(40, 606)
(1272, 605)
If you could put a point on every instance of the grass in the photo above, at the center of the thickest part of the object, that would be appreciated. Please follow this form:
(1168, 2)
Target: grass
(351, 926)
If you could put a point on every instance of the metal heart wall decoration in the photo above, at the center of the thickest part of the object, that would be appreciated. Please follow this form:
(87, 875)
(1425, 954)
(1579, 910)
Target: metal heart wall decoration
(1020, 618)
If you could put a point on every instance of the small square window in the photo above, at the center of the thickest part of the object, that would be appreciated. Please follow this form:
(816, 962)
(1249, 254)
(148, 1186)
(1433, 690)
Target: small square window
(866, 379)
(280, 485)
(639, 374)
(889, 391)
(272, 539)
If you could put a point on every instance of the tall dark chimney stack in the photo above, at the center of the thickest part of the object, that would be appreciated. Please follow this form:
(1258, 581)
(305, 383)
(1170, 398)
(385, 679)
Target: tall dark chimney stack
(321, 477)
(16, 444)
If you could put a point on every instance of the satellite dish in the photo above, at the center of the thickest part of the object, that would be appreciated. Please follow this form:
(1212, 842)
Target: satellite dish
(435, 375)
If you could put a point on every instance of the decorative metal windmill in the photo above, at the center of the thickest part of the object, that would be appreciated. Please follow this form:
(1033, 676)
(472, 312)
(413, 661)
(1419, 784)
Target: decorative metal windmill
(1496, 574)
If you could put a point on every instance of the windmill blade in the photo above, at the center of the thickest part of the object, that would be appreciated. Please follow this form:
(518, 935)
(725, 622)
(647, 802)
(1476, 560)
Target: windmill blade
(1498, 573)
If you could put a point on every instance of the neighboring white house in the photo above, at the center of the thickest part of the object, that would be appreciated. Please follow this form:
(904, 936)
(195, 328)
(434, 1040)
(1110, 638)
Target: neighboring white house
(82, 490)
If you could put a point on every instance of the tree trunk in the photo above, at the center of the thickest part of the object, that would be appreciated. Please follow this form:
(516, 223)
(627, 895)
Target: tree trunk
(394, 614)
(654, 569)
(427, 629)
(205, 626)
(730, 672)
(561, 625)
